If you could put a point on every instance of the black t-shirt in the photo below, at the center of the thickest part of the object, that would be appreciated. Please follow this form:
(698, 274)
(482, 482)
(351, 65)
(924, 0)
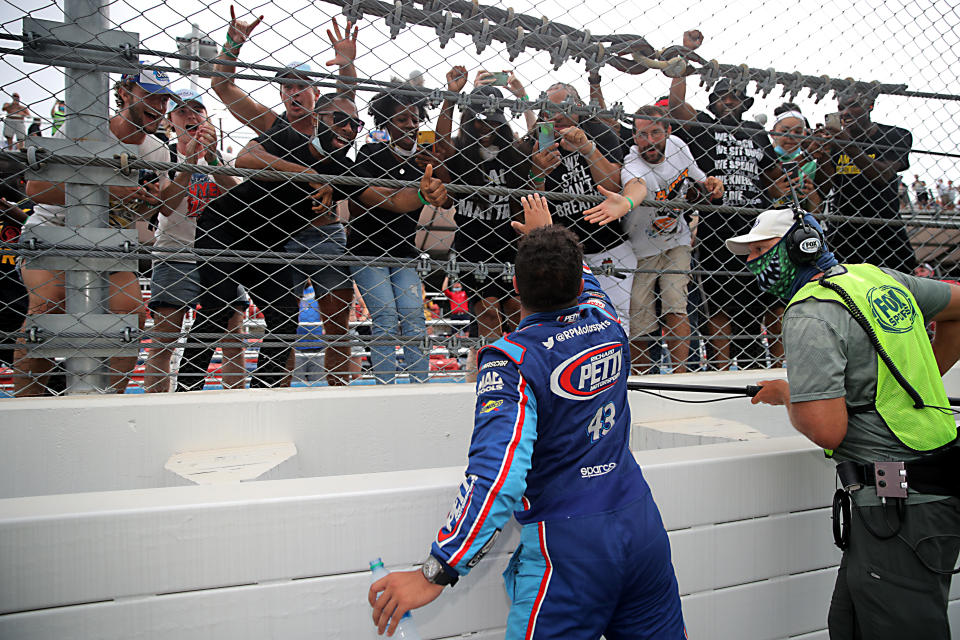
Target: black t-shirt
(378, 231)
(268, 213)
(858, 195)
(739, 157)
(484, 233)
(573, 175)
(855, 194)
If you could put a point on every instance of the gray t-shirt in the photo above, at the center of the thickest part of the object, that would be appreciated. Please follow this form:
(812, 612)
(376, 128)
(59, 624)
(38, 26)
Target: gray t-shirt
(829, 356)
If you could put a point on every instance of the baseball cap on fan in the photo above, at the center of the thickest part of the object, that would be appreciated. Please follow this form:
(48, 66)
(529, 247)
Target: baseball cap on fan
(292, 69)
(773, 223)
(184, 96)
(152, 81)
(479, 112)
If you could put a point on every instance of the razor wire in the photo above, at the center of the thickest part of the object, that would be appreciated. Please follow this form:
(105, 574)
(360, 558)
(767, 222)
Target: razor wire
(927, 227)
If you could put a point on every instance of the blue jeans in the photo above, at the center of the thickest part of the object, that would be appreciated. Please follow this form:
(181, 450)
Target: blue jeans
(394, 297)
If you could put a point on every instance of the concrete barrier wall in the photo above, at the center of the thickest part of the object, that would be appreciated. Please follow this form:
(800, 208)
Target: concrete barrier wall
(747, 520)
(97, 541)
(105, 443)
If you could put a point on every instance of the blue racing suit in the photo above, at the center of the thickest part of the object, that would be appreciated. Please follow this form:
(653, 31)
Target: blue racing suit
(550, 446)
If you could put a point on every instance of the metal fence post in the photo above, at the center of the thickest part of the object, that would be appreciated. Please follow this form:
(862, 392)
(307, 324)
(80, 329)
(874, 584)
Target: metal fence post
(87, 96)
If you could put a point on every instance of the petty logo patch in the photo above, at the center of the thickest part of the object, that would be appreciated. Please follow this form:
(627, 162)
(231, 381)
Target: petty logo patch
(589, 372)
(459, 510)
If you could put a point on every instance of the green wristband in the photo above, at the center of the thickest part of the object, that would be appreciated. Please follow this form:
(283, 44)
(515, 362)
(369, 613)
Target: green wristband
(630, 201)
(214, 163)
(525, 98)
(232, 41)
(539, 180)
(422, 199)
(230, 54)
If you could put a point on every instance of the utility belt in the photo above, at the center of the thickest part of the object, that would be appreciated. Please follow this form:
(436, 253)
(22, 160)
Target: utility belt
(936, 474)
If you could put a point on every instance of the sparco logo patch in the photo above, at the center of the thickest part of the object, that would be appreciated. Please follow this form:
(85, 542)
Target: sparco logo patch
(490, 381)
(599, 470)
(589, 372)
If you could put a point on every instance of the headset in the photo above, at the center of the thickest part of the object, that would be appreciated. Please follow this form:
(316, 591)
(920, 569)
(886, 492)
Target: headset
(804, 242)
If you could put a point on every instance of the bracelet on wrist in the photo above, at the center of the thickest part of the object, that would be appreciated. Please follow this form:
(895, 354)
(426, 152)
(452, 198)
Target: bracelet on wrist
(630, 202)
(232, 41)
(422, 199)
(227, 53)
(534, 177)
(214, 162)
(525, 98)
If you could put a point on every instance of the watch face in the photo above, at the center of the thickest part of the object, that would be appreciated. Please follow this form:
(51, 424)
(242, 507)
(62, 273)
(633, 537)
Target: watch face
(431, 568)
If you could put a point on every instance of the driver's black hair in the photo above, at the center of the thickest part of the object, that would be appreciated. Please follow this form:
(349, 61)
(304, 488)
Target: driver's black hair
(549, 268)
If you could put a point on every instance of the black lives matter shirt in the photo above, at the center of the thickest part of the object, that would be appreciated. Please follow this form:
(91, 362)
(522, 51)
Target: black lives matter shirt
(572, 175)
(857, 195)
(484, 233)
(378, 231)
(261, 213)
(739, 157)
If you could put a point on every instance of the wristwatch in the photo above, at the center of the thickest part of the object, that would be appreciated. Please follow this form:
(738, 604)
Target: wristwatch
(435, 573)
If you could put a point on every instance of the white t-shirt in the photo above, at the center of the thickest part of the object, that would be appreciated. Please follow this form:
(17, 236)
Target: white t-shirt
(653, 231)
(179, 229)
(151, 149)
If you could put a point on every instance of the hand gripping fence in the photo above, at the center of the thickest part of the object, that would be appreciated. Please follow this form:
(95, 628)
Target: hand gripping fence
(300, 239)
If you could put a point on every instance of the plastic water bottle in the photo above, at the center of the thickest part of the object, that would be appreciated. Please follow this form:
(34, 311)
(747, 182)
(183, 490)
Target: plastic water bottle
(407, 629)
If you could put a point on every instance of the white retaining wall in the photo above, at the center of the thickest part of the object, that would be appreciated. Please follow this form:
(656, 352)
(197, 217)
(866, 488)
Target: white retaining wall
(287, 558)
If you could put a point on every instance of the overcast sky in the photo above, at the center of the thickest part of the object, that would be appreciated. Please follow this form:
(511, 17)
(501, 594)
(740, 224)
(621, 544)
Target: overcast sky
(914, 43)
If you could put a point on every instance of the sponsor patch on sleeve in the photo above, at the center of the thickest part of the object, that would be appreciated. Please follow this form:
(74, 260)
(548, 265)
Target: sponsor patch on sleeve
(489, 381)
(458, 511)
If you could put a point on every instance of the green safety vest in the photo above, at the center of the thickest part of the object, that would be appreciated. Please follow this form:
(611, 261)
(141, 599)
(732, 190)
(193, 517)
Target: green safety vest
(894, 316)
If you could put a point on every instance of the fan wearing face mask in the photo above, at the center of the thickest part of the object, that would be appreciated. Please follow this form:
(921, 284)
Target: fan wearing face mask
(485, 155)
(737, 151)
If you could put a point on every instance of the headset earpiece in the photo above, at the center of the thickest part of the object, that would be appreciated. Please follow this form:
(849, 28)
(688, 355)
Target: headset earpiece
(804, 243)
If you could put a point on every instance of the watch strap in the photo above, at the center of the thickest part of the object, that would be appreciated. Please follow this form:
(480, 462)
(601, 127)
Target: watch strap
(445, 576)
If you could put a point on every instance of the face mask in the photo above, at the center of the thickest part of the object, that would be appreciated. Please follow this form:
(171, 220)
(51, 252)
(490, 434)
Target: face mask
(322, 140)
(489, 153)
(787, 155)
(775, 271)
(404, 153)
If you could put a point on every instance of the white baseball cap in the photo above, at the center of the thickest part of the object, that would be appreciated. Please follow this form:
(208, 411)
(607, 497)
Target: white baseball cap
(773, 223)
(151, 80)
(185, 96)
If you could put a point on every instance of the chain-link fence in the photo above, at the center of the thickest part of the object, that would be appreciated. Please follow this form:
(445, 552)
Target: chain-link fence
(324, 192)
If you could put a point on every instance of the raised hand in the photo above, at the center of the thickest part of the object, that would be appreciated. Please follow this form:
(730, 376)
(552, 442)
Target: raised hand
(613, 208)
(574, 139)
(344, 45)
(515, 86)
(692, 39)
(457, 78)
(536, 213)
(547, 160)
(239, 31)
(483, 78)
(432, 189)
